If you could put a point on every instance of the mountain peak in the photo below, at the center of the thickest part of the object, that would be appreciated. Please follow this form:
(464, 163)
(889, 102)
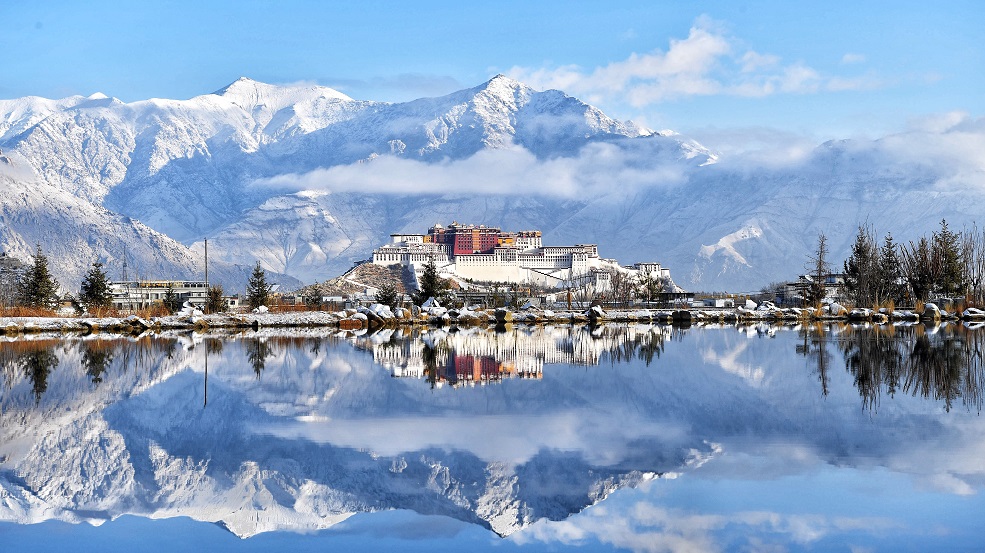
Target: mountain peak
(250, 94)
(503, 82)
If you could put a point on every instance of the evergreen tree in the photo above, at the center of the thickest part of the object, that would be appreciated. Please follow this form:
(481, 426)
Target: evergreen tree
(890, 273)
(37, 287)
(917, 269)
(387, 295)
(818, 269)
(215, 302)
(171, 300)
(862, 269)
(947, 262)
(431, 286)
(257, 289)
(95, 291)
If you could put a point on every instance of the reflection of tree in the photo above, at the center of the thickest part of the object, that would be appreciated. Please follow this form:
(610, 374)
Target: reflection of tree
(96, 357)
(31, 359)
(874, 358)
(37, 365)
(429, 355)
(213, 346)
(936, 368)
(814, 346)
(944, 365)
(257, 352)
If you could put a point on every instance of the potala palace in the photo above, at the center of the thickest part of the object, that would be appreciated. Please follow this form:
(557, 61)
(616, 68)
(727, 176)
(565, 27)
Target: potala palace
(487, 254)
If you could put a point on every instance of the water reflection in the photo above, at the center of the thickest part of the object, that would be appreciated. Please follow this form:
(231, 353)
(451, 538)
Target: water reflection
(497, 429)
(933, 362)
(476, 355)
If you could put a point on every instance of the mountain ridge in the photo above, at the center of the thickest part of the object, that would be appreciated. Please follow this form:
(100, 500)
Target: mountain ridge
(349, 172)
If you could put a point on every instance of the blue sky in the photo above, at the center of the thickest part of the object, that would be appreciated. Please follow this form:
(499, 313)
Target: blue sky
(719, 70)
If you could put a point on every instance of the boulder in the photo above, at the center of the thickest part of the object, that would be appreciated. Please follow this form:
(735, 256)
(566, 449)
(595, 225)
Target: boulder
(837, 310)
(973, 314)
(503, 315)
(930, 312)
(860, 315)
(595, 314)
(682, 316)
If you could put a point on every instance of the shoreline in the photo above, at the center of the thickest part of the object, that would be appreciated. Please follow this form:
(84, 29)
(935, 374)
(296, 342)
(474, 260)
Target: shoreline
(377, 316)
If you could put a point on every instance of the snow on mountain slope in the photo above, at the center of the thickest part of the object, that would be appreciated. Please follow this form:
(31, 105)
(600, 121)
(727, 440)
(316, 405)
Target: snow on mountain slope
(74, 233)
(350, 172)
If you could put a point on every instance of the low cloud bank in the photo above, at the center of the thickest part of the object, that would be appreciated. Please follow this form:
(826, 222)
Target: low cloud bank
(947, 150)
(597, 170)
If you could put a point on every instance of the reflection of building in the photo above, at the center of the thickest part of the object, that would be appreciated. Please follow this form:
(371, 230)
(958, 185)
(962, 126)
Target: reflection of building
(480, 356)
(138, 294)
(487, 254)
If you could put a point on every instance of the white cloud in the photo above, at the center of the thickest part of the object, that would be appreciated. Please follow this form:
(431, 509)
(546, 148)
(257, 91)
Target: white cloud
(646, 527)
(707, 62)
(852, 58)
(595, 171)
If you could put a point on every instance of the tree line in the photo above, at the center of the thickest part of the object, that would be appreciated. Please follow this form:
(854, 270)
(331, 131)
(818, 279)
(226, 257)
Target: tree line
(947, 264)
(35, 287)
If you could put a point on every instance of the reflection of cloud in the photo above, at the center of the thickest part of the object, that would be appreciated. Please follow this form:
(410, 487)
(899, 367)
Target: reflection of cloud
(510, 438)
(503, 171)
(645, 527)
(729, 362)
(707, 62)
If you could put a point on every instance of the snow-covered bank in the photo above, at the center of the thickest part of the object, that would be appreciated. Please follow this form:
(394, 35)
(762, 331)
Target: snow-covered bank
(377, 316)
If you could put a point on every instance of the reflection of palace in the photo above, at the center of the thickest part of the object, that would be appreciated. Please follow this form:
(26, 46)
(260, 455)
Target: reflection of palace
(480, 356)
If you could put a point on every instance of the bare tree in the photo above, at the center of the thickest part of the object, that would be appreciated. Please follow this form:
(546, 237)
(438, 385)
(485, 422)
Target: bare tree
(973, 256)
(818, 269)
(622, 287)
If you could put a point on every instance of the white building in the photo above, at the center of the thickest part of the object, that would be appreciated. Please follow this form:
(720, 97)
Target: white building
(485, 254)
(138, 294)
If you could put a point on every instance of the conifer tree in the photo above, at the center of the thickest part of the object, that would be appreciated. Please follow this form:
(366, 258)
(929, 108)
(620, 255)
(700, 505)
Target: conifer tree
(918, 269)
(257, 289)
(947, 263)
(37, 287)
(171, 300)
(215, 302)
(890, 272)
(387, 295)
(95, 291)
(862, 269)
(432, 285)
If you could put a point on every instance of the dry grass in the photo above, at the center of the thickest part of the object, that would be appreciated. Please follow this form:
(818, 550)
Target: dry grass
(100, 312)
(888, 305)
(156, 310)
(27, 312)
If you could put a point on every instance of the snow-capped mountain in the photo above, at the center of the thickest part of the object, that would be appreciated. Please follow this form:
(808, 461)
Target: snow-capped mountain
(308, 180)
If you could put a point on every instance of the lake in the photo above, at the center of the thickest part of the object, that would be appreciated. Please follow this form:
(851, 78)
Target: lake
(622, 437)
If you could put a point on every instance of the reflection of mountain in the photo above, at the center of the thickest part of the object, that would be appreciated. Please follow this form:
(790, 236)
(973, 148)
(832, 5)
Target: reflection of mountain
(326, 431)
(110, 436)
